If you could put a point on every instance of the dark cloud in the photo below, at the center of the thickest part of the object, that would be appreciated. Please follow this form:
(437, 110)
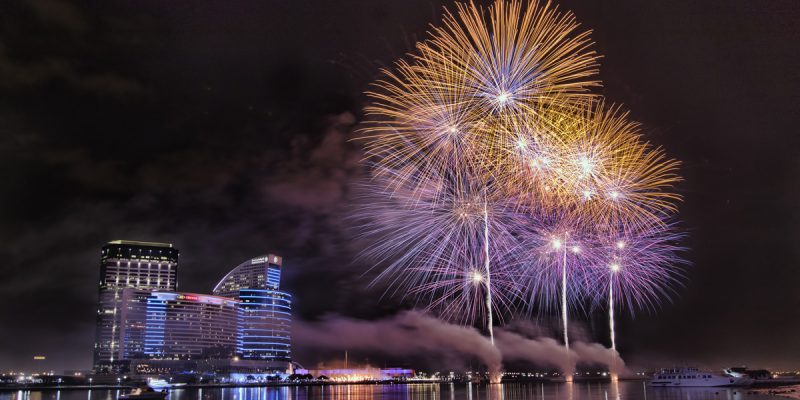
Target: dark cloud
(225, 130)
(59, 13)
(317, 179)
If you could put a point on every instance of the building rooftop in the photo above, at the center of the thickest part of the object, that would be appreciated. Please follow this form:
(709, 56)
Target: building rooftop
(138, 243)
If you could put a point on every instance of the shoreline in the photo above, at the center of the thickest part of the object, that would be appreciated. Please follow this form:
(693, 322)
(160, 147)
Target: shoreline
(209, 386)
(10, 388)
(791, 389)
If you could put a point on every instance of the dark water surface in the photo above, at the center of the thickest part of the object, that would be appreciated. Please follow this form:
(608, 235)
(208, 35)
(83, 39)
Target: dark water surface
(632, 390)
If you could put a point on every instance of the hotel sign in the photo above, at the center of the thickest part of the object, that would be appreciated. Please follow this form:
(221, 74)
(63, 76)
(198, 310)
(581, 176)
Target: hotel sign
(261, 260)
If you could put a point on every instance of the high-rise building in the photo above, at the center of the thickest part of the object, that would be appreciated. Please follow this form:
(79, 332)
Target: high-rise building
(127, 264)
(262, 272)
(265, 319)
(178, 326)
(145, 326)
(264, 325)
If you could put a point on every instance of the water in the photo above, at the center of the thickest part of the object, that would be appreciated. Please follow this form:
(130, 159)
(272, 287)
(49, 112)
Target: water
(508, 391)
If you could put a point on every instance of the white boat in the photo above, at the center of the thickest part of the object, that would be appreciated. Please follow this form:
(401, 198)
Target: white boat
(143, 394)
(158, 384)
(693, 377)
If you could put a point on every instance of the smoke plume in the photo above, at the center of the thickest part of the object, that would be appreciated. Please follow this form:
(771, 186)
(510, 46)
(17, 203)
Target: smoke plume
(403, 334)
(412, 332)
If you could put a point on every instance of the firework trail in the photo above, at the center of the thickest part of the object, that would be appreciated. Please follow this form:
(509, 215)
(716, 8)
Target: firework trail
(495, 169)
(432, 115)
(637, 270)
(446, 107)
(588, 160)
(430, 243)
(613, 177)
(552, 257)
(585, 172)
(641, 266)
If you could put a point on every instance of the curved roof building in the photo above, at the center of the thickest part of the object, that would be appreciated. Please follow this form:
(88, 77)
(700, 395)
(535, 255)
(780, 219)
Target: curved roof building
(263, 272)
(266, 311)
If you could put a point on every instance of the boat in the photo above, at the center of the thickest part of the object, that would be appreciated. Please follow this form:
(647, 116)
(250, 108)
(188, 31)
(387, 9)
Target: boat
(158, 384)
(145, 393)
(755, 374)
(693, 377)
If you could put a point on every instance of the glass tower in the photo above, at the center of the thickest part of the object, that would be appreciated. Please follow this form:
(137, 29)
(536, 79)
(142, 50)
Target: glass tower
(265, 318)
(127, 264)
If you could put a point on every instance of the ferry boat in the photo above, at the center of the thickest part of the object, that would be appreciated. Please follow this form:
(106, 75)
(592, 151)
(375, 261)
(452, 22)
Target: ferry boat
(693, 377)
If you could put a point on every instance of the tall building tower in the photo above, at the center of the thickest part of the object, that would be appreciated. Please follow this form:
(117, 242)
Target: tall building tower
(266, 311)
(127, 264)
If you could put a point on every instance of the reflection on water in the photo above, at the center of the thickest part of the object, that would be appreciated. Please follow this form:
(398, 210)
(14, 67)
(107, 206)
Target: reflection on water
(508, 391)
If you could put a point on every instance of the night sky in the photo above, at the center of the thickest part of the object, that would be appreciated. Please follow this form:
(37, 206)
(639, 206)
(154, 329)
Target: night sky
(223, 128)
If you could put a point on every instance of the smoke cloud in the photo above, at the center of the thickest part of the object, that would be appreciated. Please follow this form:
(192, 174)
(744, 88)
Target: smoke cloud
(541, 351)
(595, 353)
(415, 333)
(526, 341)
(405, 333)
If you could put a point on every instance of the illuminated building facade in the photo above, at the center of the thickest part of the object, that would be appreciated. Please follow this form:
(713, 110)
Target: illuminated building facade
(127, 264)
(265, 319)
(178, 326)
(145, 326)
(258, 273)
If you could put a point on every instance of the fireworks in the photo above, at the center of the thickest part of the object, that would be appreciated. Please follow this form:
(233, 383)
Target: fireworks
(499, 180)
(636, 266)
(444, 108)
(430, 242)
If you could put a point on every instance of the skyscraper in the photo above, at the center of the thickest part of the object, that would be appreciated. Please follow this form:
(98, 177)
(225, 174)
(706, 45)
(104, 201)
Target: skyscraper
(127, 264)
(265, 320)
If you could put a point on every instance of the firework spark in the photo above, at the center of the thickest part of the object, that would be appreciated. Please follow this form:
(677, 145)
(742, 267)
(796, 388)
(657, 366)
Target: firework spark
(641, 267)
(495, 169)
(435, 111)
(431, 242)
